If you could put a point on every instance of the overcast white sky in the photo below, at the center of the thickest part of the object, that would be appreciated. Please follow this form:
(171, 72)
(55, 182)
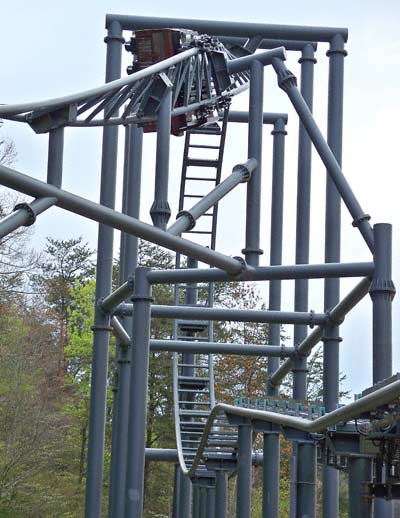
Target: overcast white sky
(54, 48)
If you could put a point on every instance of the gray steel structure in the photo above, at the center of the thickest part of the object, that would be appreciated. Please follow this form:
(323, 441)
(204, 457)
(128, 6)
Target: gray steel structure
(215, 440)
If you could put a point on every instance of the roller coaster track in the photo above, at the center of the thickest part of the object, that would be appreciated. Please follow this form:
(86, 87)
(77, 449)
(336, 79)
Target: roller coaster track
(382, 397)
(191, 74)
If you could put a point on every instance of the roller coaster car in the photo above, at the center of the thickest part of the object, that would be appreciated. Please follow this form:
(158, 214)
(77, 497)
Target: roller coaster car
(154, 45)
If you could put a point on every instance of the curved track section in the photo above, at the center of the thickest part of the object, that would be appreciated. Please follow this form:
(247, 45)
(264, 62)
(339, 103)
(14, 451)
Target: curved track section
(385, 396)
(197, 85)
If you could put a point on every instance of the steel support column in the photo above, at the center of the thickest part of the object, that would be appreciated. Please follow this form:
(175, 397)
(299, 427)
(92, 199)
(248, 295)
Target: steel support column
(196, 501)
(138, 394)
(244, 471)
(160, 211)
(252, 250)
(101, 328)
(307, 62)
(185, 491)
(382, 291)
(331, 337)
(360, 474)
(221, 494)
(211, 503)
(306, 480)
(128, 261)
(175, 497)
(271, 441)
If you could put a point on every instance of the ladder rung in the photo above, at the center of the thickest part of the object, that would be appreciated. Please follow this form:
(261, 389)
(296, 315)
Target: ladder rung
(201, 179)
(204, 146)
(201, 162)
(198, 196)
(197, 366)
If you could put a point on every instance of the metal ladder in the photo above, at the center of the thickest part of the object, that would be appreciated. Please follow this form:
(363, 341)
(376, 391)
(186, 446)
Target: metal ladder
(193, 373)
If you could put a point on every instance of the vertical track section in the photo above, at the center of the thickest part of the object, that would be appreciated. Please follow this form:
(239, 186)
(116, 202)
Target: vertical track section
(193, 373)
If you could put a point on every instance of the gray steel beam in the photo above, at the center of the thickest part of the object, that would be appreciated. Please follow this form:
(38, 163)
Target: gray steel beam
(244, 471)
(252, 249)
(337, 314)
(221, 348)
(360, 475)
(246, 62)
(112, 218)
(262, 273)
(98, 385)
(138, 395)
(231, 315)
(196, 501)
(25, 214)
(223, 28)
(268, 43)
(268, 118)
(331, 338)
(160, 211)
(186, 219)
(287, 81)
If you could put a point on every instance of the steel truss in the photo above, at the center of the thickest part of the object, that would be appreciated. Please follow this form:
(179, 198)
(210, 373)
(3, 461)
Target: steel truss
(214, 440)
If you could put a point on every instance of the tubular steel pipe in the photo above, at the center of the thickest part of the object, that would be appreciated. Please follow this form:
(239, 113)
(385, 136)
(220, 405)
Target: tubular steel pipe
(221, 494)
(268, 118)
(185, 490)
(264, 58)
(337, 314)
(186, 219)
(160, 211)
(262, 273)
(229, 315)
(108, 216)
(267, 43)
(25, 213)
(211, 503)
(223, 28)
(271, 469)
(221, 348)
(175, 497)
(129, 253)
(300, 370)
(360, 475)
(382, 291)
(98, 385)
(306, 479)
(253, 201)
(244, 471)
(138, 394)
(287, 81)
(336, 55)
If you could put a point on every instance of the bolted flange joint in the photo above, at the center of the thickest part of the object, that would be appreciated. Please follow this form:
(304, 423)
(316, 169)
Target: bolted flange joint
(31, 213)
(243, 264)
(357, 222)
(189, 215)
